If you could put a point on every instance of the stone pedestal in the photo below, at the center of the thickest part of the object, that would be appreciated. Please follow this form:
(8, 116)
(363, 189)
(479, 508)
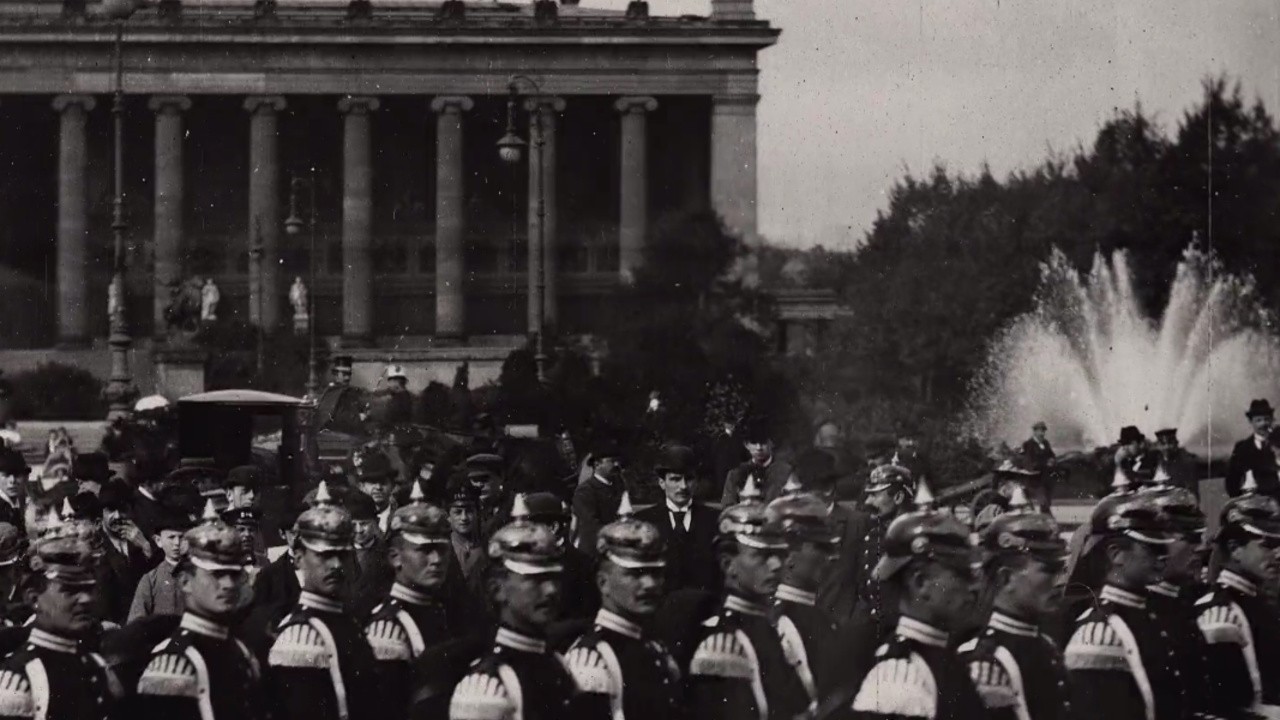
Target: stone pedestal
(179, 371)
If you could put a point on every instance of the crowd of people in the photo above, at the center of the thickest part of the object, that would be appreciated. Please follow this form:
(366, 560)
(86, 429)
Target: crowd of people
(167, 595)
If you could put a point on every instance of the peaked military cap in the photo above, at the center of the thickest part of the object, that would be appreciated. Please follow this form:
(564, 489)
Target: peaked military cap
(924, 534)
(888, 476)
(524, 547)
(325, 526)
(485, 461)
(215, 546)
(803, 518)
(1135, 516)
(420, 522)
(462, 492)
(629, 542)
(749, 522)
(242, 517)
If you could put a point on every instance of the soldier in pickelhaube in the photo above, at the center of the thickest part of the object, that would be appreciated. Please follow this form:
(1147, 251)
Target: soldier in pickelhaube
(805, 628)
(53, 676)
(321, 666)
(1172, 600)
(929, 562)
(1240, 628)
(521, 678)
(1116, 652)
(739, 669)
(203, 671)
(622, 671)
(1018, 670)
(414, 615)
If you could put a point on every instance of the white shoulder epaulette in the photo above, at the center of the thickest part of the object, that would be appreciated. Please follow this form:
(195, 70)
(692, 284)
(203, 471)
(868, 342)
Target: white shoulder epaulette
(722, 655)
(1221, 624)
(1205, 599)
(299, 646)
(1095, 646)
(993, 684)
(388, 640)
(899, 686)
(968, 646)
(480, 697)
(590, 670)
(16, 699)
(169, 674)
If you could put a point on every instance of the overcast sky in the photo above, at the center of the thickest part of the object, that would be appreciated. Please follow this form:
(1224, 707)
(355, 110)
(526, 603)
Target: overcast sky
(857, 91)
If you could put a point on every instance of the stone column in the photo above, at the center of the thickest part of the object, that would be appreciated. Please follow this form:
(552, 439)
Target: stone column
(542, 174)
(357, 221)
(633, 223)
(733, 162)
(73, 219)
(450, 273)
(264, 208)
(167, 239)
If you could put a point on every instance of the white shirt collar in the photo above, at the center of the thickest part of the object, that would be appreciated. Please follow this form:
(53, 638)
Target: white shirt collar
(676, 508)
(794, 594)
(615, 622)
(921, 632)
(1259, 441)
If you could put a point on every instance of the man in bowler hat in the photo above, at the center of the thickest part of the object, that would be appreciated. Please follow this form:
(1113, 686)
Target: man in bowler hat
(1255, 453)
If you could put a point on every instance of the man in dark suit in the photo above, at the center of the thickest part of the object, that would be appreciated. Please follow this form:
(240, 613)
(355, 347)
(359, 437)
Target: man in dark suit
(818, 475)
(688, 527)
(1038, 457)
(770, 471)
(1254, 453)
(595, 501)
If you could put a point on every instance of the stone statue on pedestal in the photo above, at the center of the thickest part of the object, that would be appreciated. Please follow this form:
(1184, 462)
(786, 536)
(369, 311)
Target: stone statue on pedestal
(301, 311)
(209, 297)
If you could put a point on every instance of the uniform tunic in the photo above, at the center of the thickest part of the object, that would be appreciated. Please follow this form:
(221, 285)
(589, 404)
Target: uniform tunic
(201, 672)
(1187, 649)
(321, 667)
(521, 679)
(1018, 671)
(916, 675)
(400, 629)
(1242, 634)
(54, 678)
(739, 670)
(807, 634)
(624, 675)
(1116, 658)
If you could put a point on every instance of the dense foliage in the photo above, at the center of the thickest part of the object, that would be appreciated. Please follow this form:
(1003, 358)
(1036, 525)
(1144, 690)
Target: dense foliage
(54, 391)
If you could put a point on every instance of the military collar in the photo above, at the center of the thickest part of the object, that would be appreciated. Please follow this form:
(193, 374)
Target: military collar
(793, 594)
(1123, 597)
(1164, 588)
(615, 622)
(921, 632)
(746, 607)
(315, 601)
(508, 638)
(404, 593)
(202, 626)
(50, 641)
(1237, 582)
(1006, 623)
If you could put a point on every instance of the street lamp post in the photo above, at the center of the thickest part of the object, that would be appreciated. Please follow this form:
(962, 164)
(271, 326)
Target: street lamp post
(120, 390)
(510, 150)
(293, 226)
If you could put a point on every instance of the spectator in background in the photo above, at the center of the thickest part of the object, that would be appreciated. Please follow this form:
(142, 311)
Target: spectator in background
(91, 471)
(13, 476)
(117, 521)
(158, 591)
(770, 471)
(243, 484)
(687, 526)
(595, 501)
(727, 453)
(1177, 462)
(1254, 453)
(910, 456)
(828, 437)
(1038, 457)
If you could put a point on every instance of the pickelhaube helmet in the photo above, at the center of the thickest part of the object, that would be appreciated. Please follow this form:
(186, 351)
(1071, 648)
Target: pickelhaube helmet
(524, 547)
(63, 552)
(215, 545)
(325, 526)
(629, 542)
(1179, 506)
(748, 522)
(889, 476)
(1031, 533)
(924, 533)
(1133, 515)
(803, 517)
(1250, 515)
(420, 522)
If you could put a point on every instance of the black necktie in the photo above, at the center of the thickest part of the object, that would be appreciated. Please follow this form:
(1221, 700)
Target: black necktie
(677, 519)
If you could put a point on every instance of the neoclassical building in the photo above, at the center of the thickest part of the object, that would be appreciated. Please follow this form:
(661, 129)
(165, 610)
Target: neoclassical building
(427, 242)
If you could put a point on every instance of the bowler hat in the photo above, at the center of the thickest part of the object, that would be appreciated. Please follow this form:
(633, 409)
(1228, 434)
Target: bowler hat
(674, 459)
(92, 466)
(1131, 434)
(815, 469)
(12, 463)
(1260, 408)
(245, 476)
(1167, 434)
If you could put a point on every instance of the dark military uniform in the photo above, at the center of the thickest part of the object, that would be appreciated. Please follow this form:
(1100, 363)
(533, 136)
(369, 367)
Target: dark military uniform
(321, 666)
(916, 675)
(875, 609)
(1188, 653)
(620, 672)
(806, 632)
(1018, 671)
(202, 671)
(1242, 636)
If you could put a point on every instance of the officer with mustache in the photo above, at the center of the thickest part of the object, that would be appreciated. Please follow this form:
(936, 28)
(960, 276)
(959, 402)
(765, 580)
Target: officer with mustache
(203, 671)
(622, 672)
(321, 666)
